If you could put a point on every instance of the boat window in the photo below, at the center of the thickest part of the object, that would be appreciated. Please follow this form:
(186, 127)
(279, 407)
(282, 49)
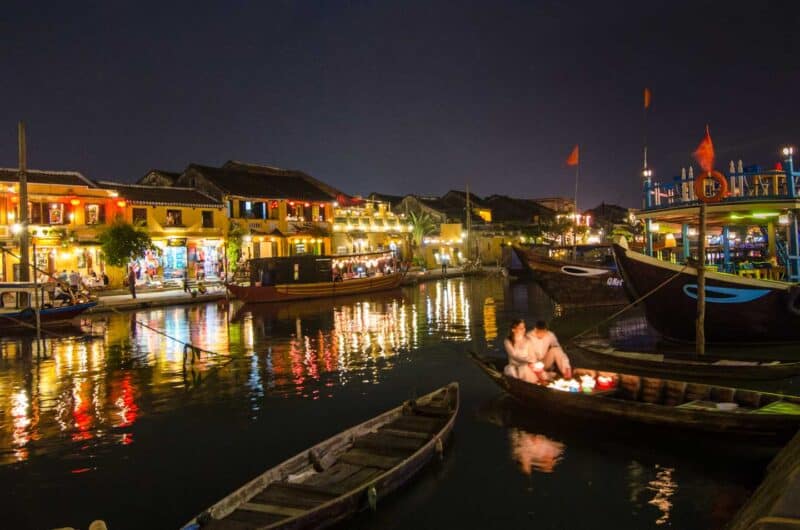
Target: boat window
(296, 273)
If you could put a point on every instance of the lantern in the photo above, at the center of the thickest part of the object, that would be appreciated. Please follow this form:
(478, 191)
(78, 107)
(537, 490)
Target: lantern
(75, 202)
(122, 204)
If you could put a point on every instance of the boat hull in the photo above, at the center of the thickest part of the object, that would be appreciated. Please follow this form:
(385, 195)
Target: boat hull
(573, 283)
(48, 317)
(385, 471)
(770, 427)
(689, 368)
(738, 310)
(305, 291)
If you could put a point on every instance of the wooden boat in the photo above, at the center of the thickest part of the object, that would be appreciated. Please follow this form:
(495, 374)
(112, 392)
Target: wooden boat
(307, 277)
(738, 310)
(601, 354)
(589, 282)
(664, 403)
(24, 318)
(343, 475)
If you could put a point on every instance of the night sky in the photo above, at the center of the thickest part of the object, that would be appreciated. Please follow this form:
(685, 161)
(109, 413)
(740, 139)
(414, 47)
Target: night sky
(401, 97)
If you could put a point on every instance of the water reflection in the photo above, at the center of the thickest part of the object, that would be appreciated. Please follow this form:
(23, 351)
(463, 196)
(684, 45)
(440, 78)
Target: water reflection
(535, 452)
(96, 388)
(662, 486)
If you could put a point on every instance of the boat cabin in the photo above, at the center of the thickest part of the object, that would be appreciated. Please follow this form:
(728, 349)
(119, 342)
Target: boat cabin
(751, 232)
(319, 269)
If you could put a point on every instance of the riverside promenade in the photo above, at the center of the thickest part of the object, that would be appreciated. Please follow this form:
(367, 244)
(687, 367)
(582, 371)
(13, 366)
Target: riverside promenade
(121, 300)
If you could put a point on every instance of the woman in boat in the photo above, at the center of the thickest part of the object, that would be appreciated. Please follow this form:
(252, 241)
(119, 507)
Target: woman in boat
(519, 348)
(546, 349)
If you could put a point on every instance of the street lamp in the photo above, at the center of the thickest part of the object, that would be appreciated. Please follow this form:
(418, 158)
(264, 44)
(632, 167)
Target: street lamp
(788, 151)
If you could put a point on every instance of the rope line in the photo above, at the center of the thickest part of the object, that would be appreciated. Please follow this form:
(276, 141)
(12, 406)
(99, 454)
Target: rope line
(618, 313)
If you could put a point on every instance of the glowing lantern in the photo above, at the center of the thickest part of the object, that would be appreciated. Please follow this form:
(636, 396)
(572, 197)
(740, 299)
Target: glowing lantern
(122, 204)
(307, 204)
(75, 202)
(14, 199)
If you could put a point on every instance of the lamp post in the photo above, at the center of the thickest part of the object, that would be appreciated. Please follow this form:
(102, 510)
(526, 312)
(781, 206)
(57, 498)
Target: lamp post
(794, 244)
(647, 175)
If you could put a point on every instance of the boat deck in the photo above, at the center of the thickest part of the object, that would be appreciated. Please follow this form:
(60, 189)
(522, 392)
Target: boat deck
(367, 458)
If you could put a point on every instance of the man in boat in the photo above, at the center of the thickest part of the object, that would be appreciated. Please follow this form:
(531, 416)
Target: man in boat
(59, 295)
(546, 349)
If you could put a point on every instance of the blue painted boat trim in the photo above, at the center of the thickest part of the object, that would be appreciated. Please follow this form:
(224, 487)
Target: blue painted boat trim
(725, 295)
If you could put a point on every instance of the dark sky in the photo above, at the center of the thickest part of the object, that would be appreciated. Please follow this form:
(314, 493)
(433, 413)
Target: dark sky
(401, 97)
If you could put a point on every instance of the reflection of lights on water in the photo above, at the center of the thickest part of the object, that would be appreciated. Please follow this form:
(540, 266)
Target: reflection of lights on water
(20, 407)
(489, 319)
(535, 452)
(664, 487)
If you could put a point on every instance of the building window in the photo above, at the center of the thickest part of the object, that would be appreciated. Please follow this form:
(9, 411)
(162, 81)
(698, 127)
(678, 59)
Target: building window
(174, 218)
(274, 210)
(140, 216)
(56, 213)
(35, 213)
(95, 214)
(208, 219)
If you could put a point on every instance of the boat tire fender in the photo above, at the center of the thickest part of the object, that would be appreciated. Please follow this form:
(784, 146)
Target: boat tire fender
(700, 186)
(792, 299)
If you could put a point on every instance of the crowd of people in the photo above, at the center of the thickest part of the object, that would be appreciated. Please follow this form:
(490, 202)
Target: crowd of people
(66, 287)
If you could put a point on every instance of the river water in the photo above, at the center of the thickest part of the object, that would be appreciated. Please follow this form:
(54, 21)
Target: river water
(113, 425)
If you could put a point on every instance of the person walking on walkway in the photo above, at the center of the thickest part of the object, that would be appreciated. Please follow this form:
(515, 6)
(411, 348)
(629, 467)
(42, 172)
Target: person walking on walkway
(132, 281)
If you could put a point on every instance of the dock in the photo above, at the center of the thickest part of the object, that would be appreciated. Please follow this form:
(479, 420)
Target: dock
(775, 505)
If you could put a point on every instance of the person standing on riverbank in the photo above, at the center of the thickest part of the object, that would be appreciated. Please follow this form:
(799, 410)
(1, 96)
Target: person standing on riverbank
(132, 281)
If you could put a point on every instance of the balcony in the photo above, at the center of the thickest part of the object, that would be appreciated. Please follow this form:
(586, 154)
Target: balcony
(753, 185)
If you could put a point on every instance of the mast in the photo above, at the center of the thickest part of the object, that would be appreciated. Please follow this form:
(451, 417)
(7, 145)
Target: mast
(24, 257)
(700, 332)
(469, 226)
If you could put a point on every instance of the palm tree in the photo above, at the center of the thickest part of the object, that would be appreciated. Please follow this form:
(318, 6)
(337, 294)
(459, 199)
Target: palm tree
(422, 224)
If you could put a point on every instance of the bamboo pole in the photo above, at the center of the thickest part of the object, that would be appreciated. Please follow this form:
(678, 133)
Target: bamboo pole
(700, 331)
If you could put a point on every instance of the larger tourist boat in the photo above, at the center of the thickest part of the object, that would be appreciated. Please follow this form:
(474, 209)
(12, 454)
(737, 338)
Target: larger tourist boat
(313, 276)
(752, 256)
(582, 276)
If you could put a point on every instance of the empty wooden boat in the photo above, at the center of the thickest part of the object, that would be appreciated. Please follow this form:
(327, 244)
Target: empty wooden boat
(598, 353)
(342, 475)
(626, 398)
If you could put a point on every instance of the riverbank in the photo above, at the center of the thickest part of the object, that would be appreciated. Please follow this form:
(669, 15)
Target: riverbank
(122, 300)
(415, 276)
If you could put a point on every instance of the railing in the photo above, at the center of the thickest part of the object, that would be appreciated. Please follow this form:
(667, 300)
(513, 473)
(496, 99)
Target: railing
(742, 186)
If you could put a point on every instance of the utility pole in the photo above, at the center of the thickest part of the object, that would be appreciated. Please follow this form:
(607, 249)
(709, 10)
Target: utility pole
(24, 257)
(469, 226)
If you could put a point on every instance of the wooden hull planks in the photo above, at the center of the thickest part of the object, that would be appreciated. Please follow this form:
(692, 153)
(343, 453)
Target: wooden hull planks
(601, 355)
(574, 283)
(738, 310)
(343, 475)
(664, 403)
(305, 291)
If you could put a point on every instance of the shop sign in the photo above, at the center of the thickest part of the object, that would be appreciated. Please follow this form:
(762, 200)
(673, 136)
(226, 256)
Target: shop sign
(176, 242)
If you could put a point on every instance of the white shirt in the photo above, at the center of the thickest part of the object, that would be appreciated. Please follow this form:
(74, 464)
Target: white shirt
(539, 347)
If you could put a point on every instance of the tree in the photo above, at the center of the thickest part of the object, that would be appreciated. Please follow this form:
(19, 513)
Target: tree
(235, 238)
(422, 224)
(122, 242)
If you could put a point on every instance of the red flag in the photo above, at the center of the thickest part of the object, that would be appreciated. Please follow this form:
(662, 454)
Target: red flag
(646, 98)
(704, 154)
(573, 158)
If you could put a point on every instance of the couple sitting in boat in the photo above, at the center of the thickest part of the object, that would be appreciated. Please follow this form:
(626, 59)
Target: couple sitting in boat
(531, 355)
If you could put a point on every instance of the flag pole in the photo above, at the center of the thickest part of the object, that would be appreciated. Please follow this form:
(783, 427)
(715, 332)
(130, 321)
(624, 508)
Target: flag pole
(577, 217)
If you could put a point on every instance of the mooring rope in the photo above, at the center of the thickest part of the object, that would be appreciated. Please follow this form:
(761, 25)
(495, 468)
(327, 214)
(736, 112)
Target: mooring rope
(618, 313)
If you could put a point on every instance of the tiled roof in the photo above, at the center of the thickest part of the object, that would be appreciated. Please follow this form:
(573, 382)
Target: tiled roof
(36, 176)
(508, 209)
(269, 183)
(171, 195)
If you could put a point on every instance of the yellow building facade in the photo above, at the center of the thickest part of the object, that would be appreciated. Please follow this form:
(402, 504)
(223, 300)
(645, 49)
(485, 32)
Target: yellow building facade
(66, 213)
(369, 226)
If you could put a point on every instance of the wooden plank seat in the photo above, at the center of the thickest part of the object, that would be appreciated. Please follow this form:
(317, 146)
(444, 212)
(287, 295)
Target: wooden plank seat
(383, 443)
(368, 458)
(361, 478)
(431, 411)
(253, 518)
(293, 495)
(417, 424)
(404, 433)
